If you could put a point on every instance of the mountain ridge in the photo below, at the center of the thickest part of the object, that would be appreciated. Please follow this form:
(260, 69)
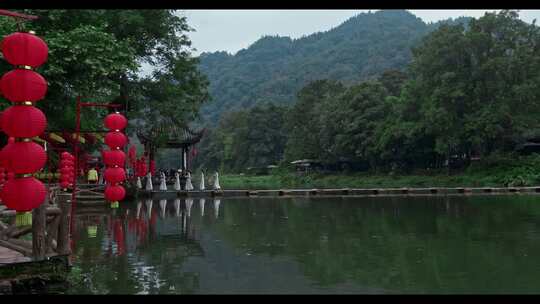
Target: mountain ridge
(274, 68)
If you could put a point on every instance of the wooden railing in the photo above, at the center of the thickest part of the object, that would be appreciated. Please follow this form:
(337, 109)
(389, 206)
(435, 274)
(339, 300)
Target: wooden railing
(49, 229)
(90, 192)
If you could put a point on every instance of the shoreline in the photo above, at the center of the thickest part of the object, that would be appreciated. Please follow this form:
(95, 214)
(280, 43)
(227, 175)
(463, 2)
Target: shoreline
(356, 192)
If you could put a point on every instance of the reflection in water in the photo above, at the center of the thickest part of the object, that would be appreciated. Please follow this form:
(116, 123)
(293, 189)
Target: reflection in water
(216, 207)
(189, 204)
(139, 206)
(202, 201)
(163, 207)
(148, 204)
(312, 245)
(177, 206)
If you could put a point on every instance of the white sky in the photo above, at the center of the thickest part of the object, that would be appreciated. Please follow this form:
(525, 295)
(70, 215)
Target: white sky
(233, 30)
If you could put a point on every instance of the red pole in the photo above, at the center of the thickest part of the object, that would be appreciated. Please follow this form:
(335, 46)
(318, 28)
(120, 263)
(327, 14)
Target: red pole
(17, 15)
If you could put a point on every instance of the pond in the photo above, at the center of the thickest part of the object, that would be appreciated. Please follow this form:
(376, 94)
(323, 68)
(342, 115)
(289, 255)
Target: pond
(367, 245)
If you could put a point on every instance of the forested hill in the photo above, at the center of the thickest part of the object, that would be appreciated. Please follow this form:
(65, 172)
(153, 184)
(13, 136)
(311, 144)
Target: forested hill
(274, 69)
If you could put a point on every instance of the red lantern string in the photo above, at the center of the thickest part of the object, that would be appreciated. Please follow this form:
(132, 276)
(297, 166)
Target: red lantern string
(66, 167)
(23, 86)
(115, 158)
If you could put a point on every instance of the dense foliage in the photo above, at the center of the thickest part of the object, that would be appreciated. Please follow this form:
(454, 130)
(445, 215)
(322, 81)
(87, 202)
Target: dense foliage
(274, 69)
(98, 53)
(468, 91)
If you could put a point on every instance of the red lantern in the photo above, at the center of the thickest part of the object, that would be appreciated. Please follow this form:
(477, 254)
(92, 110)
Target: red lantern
(2, 156)
(115, 140)
(144, 169)
(24, 49)
(114, 158)
(23, 194)
(23, 121)
(115, 121)
(24, 157)
(66, 170)
(64, 184)
(23, 85)
(64, 155)
(115, 193)
(66, 163)
(114, 175)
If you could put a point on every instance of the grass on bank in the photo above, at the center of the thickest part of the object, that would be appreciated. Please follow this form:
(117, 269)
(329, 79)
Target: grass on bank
(496, 171)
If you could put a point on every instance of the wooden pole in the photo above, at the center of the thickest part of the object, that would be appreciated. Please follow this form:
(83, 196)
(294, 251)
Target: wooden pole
(63, 230)
(38, 232)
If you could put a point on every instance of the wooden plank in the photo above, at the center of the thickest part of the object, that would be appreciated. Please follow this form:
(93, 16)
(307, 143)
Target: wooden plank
(63, 230)
(20, 249)
(52, 235)
(20, 232)
(38, 232)
(9, 256)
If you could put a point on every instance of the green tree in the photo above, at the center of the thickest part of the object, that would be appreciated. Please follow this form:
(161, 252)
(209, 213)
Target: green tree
(303, 121)
(98, 53)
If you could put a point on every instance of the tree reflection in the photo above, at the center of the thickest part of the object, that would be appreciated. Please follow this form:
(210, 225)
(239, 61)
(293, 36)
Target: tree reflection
(436, 244)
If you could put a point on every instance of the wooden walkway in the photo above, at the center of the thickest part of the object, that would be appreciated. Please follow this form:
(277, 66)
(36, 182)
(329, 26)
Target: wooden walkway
(39, 264)
(342, 192)
(9, 256)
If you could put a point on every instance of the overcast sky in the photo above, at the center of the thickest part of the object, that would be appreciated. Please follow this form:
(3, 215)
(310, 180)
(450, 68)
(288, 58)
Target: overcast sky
(233, 30)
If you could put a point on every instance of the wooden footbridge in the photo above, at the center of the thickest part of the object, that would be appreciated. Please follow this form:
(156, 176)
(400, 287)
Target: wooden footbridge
(157, 194)
(34, 254)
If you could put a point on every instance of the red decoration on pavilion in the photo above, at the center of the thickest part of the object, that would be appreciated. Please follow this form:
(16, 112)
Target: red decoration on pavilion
(21, 122)
(141, 169)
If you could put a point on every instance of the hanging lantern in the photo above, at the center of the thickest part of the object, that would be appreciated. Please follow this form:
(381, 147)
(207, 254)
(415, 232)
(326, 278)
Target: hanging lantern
(64, 184)
(23, 121)
(22, 85)
(114, 175)
(66, 163)
(115, 193)
(115, 121)
(115, 140)
(66, 170)
(24, 157)
(24, 49)
(23, 194)
(114, 158)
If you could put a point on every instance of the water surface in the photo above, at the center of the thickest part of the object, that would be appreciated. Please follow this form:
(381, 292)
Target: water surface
(432, 244)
